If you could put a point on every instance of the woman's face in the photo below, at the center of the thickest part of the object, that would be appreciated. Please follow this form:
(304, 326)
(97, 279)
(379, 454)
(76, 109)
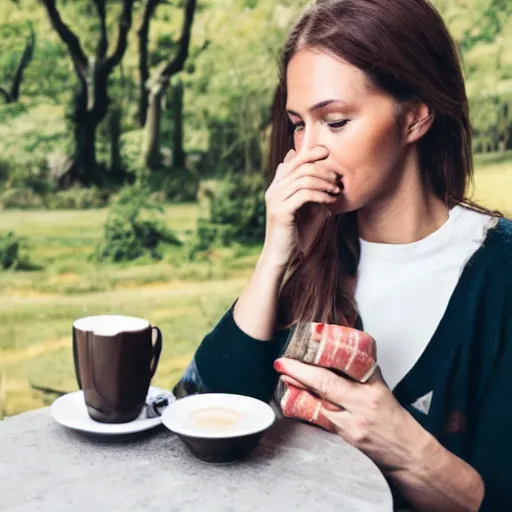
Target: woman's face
(331, 104)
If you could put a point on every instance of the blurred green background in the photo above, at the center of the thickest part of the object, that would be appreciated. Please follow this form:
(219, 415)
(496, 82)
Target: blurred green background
(133, 142)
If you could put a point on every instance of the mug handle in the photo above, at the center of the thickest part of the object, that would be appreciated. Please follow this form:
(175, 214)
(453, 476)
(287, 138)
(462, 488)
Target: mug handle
(157, 350)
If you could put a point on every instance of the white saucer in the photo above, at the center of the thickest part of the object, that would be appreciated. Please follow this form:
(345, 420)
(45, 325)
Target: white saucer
(70, 411)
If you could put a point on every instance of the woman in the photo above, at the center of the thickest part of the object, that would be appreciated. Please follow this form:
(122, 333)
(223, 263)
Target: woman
(369, 226)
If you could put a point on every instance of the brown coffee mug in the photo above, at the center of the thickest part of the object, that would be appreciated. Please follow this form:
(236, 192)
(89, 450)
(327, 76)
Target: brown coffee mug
(115, 360)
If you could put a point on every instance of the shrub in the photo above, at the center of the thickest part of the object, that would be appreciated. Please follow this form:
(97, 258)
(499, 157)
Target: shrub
(4, 171)
(30, 174)
(23, 183)
(9, 250)
(173, 184)
(21, 197)
(134, 228)
(77, 198)
(236, 213)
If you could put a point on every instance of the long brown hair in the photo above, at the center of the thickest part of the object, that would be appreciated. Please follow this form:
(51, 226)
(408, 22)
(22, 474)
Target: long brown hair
(404, 48)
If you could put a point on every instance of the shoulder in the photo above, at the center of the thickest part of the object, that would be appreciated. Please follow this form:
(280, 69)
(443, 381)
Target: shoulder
(504, 230)
(489, 269)
(499, 239)
(497, 253)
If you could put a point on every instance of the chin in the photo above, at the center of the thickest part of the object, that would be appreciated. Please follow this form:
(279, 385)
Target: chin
(343, 205)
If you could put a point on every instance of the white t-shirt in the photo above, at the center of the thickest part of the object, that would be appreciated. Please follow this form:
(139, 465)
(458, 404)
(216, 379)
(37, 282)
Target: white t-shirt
(403, 289)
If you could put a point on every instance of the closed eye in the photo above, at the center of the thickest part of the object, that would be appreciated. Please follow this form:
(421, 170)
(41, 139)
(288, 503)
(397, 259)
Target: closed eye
(335, 125)
(297, 126)
(338, 124)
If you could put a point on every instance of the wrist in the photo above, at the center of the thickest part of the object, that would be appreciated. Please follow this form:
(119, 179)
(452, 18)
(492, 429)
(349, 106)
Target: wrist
(427, 458)
(272, 262)
(420, 450)
(420, 463)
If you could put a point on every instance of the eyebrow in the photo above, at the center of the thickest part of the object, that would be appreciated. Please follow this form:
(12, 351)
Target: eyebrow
(316, 106)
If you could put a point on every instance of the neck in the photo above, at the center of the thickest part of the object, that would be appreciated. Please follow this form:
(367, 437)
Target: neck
(406, 214)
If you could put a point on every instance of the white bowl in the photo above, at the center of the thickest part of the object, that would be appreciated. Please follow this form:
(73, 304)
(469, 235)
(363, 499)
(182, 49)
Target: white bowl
(240, 421)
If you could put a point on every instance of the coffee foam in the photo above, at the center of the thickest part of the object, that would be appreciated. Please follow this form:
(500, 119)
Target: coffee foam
(219, 418)
(110, 325)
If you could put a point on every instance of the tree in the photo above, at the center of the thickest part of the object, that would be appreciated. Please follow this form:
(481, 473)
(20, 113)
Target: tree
(152, 90)
(482, 24)
(149, 10)
(12, 95)
(493, 15)
(91, 100)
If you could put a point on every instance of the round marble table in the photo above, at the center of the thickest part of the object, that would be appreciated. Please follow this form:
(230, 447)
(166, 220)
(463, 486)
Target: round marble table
(45, 467)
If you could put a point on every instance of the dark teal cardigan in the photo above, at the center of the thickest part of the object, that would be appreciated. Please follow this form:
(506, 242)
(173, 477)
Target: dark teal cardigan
(467, 366)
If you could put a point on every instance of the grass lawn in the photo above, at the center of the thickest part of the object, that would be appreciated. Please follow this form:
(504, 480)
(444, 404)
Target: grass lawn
(185, 299)
(37, 308)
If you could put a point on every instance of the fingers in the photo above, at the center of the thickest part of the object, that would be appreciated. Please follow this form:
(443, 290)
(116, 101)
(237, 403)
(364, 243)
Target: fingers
(293, 160)
(377, 377)
(340, 421)
(293, 382)
(312, 170)
(304, 196)
(311, 183)
(324, 383)
(290, 156)
(300, 404)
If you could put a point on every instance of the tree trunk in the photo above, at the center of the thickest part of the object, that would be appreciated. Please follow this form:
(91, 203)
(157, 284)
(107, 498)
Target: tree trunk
(160, 84)
(114, 131)
(92, 101)
(89, 109)
(143, 104)
(178, 154)
(149, 9)
(153, 156)
(85, 152)
(13, 95)
(82, 168)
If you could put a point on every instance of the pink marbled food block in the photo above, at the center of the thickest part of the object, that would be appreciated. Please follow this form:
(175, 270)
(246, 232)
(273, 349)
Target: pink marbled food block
(300, 404)
(350, 351)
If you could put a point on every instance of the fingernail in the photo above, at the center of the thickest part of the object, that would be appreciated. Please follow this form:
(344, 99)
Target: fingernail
(278, 365)
(319, 328)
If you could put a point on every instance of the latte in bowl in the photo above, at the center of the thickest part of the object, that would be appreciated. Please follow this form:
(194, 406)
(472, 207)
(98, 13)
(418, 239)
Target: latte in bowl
(219, 428)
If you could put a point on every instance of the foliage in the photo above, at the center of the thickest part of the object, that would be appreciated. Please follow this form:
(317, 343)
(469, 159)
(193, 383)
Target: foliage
(32, 186)
(236, 213)
(9, 250)
(169, 184)
(227, 90)
(77, 198)
(20, 197)
(133, 228)
(228, 86)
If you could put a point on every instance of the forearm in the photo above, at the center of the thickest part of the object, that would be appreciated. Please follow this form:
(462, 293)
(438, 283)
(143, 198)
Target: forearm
(237, 356)
(438, 480)
(255, 310)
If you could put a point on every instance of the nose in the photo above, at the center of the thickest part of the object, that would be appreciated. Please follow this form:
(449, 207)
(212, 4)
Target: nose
(309, 138)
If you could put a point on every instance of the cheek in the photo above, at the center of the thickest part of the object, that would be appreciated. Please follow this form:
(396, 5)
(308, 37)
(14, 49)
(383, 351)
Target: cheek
(368, 158)
(369, 154)
(373, 147)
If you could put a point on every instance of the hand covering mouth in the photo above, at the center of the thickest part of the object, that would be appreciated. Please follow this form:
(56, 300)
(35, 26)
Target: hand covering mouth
(339, 183)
